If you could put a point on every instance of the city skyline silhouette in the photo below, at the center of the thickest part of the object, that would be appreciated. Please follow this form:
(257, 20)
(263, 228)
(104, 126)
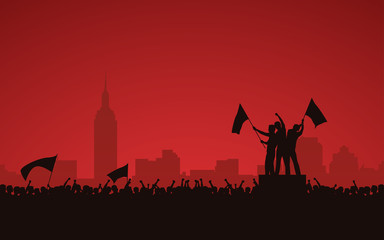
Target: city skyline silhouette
(342, 170)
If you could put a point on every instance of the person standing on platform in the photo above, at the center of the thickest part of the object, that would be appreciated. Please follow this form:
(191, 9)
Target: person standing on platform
(271, 148)
(292, 136)
(281, 151)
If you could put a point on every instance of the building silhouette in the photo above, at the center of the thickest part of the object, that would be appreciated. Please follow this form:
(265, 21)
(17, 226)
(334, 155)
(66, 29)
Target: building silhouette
(344, 167)
(227, 168)
(381, 168)
(310, 157)
(8, 177)
(105, 139)
(166, 168)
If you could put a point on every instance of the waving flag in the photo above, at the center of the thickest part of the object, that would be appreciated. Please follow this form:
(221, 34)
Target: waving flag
(315, 114)
(240, 118)
(47, 163)
(118, 173)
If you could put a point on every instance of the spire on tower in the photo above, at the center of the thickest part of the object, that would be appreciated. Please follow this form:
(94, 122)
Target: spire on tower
(105, 97)
(105, 86)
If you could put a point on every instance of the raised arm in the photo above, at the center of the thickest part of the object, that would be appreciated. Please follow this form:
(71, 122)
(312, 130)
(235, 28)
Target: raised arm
(127, 184)
(302, 127)
(186, 185)
(66, 182)
(201, 182)
(228, 184)
(155, 184)
(241, 184)
(354, 183)
(281, 121)
(197, 184)
(210, 183)
(254, 182)
(261, 132)
(173, 183)
(105, 186)
(142, 184)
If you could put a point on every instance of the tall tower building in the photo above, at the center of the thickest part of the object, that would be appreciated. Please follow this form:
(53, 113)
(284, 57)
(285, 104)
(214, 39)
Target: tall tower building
(105, 139)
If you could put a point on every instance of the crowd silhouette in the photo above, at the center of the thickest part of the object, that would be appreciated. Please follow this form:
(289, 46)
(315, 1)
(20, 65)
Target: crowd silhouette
(184, 189)
(89, 208)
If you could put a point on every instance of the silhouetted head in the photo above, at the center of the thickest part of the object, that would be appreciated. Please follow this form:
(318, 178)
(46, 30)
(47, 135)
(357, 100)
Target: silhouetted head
(9, 189)
(340, 190)
(374, 189)
(278, 125)
(347, 191)
(380, 189)
(44, 190)
(16, 190)
(296, 127)
(2, 188)
(95, 190)
(271, 128)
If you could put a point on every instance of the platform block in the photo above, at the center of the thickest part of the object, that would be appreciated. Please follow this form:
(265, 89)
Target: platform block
(288, 185)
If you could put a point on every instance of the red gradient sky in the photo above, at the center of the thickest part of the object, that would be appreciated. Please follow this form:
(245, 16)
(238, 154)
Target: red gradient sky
(177, 71)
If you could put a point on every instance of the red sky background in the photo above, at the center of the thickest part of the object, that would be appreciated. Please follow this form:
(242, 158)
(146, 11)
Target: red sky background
(177, 71)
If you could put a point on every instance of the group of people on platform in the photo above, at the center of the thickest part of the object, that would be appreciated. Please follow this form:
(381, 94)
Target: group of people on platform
(281, 145)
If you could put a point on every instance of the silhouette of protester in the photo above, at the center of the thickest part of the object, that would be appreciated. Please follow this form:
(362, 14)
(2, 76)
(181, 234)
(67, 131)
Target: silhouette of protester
(271, 146)
(281, 151)
(292, 136)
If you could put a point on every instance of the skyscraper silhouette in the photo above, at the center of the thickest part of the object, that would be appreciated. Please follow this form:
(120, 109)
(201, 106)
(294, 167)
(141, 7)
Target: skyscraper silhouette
(105, 139)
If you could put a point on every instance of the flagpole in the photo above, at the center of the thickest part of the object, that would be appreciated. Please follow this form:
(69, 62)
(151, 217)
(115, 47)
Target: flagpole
(256, 132)
(49, 180)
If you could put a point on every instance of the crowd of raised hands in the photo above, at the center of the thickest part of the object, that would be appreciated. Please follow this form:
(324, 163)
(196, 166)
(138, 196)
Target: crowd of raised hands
(185, 188)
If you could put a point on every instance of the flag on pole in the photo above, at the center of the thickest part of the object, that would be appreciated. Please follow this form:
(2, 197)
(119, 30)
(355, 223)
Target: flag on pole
(240, 118)
(47, 163)
(118, 173)
(315, 114)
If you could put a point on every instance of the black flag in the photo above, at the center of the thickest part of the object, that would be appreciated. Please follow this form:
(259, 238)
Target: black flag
(240, 118)
(119, 173)
(47, 163)
(315, 114)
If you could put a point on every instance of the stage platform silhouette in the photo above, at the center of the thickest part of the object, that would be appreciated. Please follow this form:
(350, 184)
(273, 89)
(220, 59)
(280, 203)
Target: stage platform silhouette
(289, 185)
